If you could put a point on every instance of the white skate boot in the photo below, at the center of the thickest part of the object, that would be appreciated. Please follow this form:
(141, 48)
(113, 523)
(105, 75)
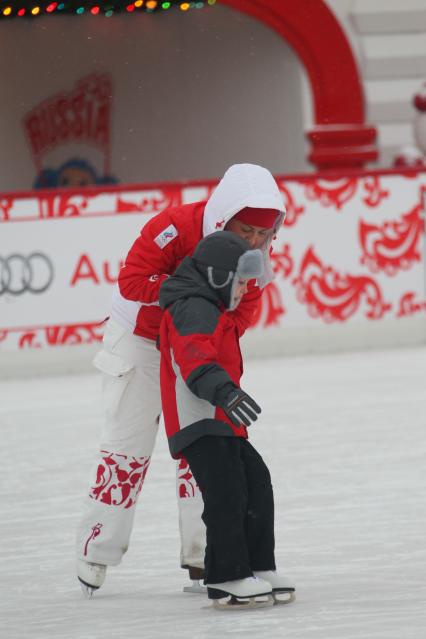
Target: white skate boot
(91, 576)
(250, 592)
(283, 589)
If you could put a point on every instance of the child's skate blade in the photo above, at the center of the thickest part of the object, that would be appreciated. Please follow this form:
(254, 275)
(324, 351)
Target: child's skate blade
(281, 597)
(247, 603)
(224, 601)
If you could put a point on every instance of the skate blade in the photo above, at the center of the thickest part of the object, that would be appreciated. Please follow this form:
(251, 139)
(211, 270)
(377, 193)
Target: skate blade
(88, 591)
(281, 597)
(196, 588)
(246, 603)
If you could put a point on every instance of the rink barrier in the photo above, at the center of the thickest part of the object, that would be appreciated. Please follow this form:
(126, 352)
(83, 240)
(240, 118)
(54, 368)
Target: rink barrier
(349, 266)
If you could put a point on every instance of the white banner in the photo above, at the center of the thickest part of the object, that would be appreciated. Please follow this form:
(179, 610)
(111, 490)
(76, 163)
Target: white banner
(350, 253)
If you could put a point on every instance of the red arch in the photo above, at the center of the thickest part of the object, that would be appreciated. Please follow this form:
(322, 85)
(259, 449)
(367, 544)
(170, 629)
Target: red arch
(312, 30)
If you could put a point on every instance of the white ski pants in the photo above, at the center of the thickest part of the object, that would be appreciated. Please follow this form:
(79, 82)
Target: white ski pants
(132, 403)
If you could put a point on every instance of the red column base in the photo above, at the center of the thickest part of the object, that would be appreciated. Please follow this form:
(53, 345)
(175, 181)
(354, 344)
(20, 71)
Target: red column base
(336, 146)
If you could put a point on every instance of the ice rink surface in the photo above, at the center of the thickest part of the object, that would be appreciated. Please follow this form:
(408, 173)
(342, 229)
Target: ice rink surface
(345, 438)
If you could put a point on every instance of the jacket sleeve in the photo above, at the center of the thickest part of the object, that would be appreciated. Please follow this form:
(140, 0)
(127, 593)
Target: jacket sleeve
(147, 265)
(246, 309)
(196, 352)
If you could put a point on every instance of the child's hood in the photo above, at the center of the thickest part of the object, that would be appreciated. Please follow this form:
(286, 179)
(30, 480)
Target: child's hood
(186, 282)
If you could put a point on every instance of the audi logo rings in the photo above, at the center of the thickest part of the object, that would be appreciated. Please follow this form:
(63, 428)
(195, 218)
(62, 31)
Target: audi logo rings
(19, 273)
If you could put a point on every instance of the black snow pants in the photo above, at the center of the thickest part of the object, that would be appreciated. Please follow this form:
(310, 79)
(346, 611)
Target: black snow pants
(238, 507)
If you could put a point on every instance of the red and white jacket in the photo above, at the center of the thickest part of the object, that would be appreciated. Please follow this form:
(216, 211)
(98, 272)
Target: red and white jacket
(200, 360)
(174, 233)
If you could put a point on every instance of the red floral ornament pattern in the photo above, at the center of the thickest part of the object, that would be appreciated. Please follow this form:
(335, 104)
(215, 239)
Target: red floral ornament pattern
(375, 193)
(271, 307)
(6, 204)
(333, 192)
(393, 245)
(292, 209)
(62, 206)
(148, 202)
(335, 297)
(44, 206)
(282, 261)
(187, 486)
(408, 305)
(338, 191)
(70, 335)
(119, 479)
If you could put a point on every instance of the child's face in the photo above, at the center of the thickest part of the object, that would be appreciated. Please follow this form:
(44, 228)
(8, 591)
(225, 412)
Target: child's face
(240, 290)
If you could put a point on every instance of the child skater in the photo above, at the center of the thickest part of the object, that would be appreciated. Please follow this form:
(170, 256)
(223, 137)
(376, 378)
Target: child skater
(206, 415)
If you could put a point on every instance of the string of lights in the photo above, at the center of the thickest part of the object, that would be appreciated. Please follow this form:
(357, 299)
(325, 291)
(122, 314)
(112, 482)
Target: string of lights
(37, 8)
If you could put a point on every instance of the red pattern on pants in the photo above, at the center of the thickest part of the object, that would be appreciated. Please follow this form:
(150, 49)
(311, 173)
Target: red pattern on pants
(119, 479)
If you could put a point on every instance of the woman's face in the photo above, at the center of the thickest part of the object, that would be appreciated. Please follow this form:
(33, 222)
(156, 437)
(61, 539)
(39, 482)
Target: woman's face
(256, 236)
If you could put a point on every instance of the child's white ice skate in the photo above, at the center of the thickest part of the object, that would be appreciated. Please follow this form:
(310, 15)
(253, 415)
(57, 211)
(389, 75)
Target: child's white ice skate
(283, 589)
(91, 576)
(250, 592)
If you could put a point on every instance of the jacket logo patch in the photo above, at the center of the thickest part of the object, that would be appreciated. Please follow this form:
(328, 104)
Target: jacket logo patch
(166, 236)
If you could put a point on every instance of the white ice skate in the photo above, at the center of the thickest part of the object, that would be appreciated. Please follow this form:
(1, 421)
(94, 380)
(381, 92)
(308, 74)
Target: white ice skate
(250, 592)
(91, 576)
(283, 589)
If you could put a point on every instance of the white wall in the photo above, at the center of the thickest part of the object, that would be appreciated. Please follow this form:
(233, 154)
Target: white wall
(193, 93)
(197, 91)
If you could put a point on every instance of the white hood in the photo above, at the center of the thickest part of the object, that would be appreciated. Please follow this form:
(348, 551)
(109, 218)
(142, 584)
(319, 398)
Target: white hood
(244, 185)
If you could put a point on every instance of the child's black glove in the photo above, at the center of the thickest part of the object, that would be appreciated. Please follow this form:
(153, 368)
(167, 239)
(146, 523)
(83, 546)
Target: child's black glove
(240, 407)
